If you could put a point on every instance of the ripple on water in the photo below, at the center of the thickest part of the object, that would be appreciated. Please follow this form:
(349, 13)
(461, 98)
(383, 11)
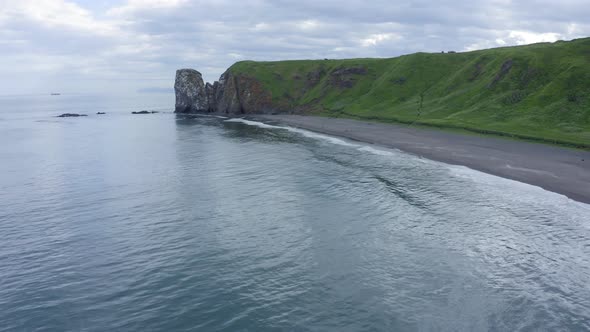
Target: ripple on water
(219, 225)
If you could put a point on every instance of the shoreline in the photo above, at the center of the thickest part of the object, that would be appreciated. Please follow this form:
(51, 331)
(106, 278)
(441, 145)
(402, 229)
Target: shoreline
(553, 168)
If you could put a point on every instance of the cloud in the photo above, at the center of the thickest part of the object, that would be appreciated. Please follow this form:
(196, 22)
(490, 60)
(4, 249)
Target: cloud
(55, 13)
(378, 38)
(117, 44)
(527, 37)
(134, 6)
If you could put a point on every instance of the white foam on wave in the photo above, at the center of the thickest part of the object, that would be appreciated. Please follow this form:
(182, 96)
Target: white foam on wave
(200, 115)
(331, 139)
(253, 123)
(362, 147)
(380, 152)
(303, 132)
(504, 186)
(456, 170)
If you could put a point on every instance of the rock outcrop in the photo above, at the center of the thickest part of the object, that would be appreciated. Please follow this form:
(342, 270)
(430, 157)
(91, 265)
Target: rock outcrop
(144, 112)
(239, 91)
(71, 115)
(504, 70)
(345, 77)
(191, 96)
(231, 95)
(210, 96)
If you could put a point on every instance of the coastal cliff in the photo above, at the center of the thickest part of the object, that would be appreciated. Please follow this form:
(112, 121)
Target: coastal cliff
(539, 91)
(190, 92)
(232, 94)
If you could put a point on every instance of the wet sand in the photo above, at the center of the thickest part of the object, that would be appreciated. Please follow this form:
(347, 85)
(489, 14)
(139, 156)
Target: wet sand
(561, 170)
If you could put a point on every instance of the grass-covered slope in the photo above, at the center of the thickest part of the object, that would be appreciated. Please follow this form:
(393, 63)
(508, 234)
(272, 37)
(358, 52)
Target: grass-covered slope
(539, 91)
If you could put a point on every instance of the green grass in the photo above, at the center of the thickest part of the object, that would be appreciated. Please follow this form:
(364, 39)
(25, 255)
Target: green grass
(544, 96)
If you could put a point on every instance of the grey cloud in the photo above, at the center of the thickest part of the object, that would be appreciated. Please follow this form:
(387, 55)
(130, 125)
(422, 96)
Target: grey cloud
(146, 44)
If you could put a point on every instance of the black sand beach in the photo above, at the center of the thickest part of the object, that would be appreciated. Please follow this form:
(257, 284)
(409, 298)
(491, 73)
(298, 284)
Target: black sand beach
(561, 170)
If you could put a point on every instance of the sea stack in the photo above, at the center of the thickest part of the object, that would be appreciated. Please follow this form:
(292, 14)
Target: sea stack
(191, 96)
(233, 94)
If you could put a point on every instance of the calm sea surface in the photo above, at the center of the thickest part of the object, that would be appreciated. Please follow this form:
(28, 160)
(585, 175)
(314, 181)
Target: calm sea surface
(155, 222)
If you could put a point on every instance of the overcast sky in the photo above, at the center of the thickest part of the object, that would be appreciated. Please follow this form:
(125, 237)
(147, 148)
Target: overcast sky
(119, 46)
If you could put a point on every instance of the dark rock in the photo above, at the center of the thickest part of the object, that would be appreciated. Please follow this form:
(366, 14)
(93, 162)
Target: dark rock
(210, 90)
(314, 77)
(350, 71)
(229, 100)
(399, 80)
(142, 112)
(100, 113)
(528, 76)
(344, 77)
(573, 97)
(253, 97)
(514, 97)
(70, 115)
(477, 71)
(504, 70)
(219, 89)
(191, 96)
(233, 94)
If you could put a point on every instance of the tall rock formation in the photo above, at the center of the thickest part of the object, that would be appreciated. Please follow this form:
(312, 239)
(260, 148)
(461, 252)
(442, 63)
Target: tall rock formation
(231, 95)
(191, 95)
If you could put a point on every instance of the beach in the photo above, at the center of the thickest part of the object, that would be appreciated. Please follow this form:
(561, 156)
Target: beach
(562, 170)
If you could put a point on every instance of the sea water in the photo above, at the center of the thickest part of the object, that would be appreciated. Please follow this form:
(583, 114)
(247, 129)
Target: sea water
(161, 222)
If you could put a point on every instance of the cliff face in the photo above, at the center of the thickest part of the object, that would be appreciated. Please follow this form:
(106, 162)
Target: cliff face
(232, 94)
(242, 91)
(190, 92)
(537, 91)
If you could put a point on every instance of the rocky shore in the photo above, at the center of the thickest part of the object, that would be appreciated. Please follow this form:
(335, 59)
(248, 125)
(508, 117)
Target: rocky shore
(231, 94)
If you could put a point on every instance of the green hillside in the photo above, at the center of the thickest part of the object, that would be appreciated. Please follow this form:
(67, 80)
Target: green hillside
(539, 91)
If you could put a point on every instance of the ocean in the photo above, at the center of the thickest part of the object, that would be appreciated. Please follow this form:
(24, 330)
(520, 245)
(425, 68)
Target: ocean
(162, 222)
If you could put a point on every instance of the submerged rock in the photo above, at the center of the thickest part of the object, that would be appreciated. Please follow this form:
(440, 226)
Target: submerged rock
(191, 95)
(145, 112)
(100, 113)
(70, 115)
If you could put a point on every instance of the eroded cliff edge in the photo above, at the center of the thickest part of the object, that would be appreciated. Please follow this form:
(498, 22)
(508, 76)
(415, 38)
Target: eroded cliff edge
(232, 94)
(539, 91)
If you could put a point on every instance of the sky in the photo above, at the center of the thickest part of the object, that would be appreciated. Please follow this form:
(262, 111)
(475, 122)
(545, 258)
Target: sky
(122, 46)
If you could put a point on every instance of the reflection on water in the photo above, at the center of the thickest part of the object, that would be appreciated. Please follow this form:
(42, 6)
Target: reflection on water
(182, 223)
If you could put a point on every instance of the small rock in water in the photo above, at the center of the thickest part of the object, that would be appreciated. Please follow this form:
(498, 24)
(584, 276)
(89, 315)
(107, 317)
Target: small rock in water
(144, 112)
(100, 113)
(69, 115)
